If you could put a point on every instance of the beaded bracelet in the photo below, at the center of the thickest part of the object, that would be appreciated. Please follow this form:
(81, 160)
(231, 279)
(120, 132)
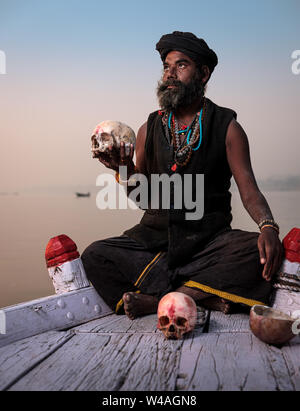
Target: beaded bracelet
(124, 182)
(118, 179)
(268, 223)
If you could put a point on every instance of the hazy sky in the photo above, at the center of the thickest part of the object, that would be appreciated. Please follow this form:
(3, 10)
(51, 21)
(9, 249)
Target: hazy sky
(72, 64)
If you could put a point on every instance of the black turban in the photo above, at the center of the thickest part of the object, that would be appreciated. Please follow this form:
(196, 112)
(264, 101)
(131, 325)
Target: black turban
(196, 49)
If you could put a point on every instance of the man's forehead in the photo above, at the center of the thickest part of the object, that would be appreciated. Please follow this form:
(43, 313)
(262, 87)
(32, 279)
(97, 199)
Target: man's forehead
(175, 55)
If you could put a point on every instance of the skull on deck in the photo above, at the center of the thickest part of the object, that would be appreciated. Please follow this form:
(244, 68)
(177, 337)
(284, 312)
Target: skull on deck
(177, 315)
(112, 133)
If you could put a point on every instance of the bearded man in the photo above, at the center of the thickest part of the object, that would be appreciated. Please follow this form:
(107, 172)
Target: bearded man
(217, 266)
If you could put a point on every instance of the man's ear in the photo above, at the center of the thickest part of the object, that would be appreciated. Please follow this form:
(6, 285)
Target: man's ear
(205, 74)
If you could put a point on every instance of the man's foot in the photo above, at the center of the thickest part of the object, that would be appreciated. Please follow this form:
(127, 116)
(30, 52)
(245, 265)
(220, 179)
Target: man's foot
(196, 295)
(207, 300)
(136, 305)
(217, 304)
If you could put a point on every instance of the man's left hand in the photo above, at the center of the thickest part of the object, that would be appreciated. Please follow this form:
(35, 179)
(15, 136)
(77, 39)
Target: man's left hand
(270, 251)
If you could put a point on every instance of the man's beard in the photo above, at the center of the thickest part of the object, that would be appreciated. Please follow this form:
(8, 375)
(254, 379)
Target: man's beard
(183, 95)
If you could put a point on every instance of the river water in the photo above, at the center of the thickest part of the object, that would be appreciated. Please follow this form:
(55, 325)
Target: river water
(29, 220)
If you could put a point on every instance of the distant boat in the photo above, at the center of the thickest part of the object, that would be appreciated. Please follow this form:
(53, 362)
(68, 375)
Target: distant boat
(83, 194)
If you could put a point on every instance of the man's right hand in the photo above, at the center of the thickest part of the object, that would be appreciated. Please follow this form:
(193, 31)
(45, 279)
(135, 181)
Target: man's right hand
(113, 158)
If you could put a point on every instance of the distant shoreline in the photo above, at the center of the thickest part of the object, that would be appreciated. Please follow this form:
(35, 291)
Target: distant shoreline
(291, 183)
(274, 184)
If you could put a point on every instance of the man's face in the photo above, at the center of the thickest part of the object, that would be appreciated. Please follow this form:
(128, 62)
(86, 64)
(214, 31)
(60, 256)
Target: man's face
(179, 66)
(181, 83)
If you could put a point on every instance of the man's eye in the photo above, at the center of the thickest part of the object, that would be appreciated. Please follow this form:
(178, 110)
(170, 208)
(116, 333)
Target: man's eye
(166, 68)
(181, 65)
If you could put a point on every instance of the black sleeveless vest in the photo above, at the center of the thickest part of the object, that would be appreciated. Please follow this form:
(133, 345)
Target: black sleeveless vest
(168, 228)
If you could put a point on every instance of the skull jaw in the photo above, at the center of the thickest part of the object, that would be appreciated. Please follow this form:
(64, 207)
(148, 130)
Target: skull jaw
(99, 146)
(102, 145)
(100, 149)
(95, 146)
(173, 328)
(174, 334)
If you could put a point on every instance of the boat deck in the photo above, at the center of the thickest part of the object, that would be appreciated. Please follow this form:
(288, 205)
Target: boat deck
(113, 353)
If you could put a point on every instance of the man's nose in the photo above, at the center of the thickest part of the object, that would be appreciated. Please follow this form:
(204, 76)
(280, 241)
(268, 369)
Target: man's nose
(172, 72)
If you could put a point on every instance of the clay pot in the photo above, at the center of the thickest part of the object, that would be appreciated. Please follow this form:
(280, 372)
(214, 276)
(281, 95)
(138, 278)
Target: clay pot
(271, 326)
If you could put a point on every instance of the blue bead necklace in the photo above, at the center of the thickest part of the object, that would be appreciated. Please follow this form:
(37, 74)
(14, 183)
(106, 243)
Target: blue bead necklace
(193, 134)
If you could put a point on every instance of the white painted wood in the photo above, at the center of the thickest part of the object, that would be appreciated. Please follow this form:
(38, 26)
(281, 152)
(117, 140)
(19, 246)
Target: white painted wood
(222, 323)
(56, 312)
(287, 302)
(290, 268)
(291, 354)
(288, 277)
(231, 362)
(18, 358)
(69, 276)
(98, 362)
(230, 357)
(2, 322)
(115, 361)
(122, 324)
(286, 373)
(114, 353)
(119, 324)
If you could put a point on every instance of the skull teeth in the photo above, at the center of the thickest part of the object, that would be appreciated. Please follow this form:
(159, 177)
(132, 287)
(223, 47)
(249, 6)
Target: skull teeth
(177, 315)
(110, 133)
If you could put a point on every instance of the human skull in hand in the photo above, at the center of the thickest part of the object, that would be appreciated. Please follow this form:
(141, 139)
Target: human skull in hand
(112, 133)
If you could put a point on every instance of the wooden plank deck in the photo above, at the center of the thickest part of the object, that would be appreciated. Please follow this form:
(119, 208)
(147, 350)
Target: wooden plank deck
(113, 353)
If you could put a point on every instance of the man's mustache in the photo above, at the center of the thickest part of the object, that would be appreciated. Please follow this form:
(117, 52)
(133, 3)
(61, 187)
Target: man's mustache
(164, 85)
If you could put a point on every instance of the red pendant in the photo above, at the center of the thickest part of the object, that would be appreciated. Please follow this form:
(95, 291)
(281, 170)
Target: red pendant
(174, 167)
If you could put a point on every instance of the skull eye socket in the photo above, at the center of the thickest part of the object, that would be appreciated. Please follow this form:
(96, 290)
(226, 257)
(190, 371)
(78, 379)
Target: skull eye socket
(180, 321)
(163, 321)
(105, 136)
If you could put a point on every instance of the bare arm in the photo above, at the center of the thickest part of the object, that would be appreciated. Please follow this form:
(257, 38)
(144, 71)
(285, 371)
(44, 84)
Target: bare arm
(140, 166)
(238, 156)
(140, 149)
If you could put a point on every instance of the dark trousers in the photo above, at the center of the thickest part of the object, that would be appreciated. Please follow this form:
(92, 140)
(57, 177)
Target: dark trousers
(228, 266)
